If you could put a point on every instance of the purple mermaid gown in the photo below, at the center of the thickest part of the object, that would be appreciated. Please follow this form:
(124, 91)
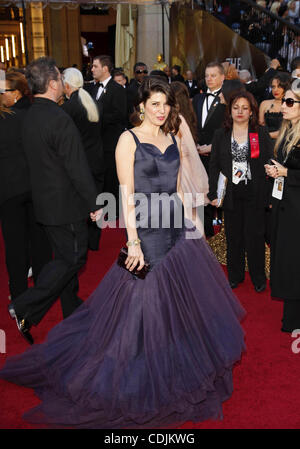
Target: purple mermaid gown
(142, 353)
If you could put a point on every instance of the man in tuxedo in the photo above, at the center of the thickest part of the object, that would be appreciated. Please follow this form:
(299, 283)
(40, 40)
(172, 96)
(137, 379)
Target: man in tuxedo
(112, 101)
(191, 84)
(140, 72)
(63, 194)
(210, 116)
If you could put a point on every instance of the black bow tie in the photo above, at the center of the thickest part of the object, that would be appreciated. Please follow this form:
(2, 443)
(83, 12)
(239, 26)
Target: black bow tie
(207, 94)
(99, 84)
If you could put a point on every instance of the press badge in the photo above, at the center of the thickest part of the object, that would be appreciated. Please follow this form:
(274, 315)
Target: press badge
(278, 187)
(239, 170)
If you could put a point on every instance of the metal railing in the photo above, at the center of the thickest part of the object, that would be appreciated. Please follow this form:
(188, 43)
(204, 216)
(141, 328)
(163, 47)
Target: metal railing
(274, 35)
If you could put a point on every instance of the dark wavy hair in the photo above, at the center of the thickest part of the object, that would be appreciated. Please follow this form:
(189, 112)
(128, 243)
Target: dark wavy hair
(253, 122)
(284, 80)
(185, 106)
(154, 84)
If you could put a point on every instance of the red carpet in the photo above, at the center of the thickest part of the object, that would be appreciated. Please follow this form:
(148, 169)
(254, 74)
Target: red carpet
(266, 382)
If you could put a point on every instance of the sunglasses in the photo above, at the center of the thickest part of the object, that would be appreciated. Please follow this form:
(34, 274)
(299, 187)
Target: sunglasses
(141, 71)
(289, 102)
(6, 90)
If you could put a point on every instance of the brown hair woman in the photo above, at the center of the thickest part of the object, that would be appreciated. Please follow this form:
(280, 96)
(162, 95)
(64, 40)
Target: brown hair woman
(142, 352)
(239, 151)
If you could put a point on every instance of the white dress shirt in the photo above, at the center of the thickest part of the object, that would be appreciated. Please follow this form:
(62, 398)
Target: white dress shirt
(101, 89)
(207, 104)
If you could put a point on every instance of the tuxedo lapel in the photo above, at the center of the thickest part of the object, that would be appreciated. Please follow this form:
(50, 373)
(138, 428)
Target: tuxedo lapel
(102, 95)
(106, 90)
(199, 109)
(212, 109)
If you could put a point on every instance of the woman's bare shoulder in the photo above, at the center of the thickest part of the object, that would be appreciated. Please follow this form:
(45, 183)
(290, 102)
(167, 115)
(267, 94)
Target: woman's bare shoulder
(126, 143)
(126, 137)
(265, 104)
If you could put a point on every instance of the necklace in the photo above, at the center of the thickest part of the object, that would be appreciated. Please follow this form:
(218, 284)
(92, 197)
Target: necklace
(273, 105)
(240, 137)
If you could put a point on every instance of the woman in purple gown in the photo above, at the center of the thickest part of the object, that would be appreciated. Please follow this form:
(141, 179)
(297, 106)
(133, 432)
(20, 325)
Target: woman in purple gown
(143, 353)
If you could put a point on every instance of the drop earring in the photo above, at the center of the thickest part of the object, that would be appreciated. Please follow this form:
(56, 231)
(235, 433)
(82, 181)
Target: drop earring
(142, 114)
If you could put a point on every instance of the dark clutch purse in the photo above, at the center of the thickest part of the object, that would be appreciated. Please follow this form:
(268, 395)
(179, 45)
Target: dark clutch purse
(141, 274)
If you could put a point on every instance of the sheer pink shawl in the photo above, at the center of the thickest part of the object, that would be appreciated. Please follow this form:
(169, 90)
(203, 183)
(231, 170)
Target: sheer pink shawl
(193, 179)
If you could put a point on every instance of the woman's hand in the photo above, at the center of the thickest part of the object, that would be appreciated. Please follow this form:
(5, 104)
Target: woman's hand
(135, 257)
(204, 150)
(214, 202)
(95, 216)
(275, 170)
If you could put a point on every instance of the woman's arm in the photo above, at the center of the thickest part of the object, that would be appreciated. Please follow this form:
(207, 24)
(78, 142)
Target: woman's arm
(262, 109)
(274, 134)
(186, 179)
(125, 151)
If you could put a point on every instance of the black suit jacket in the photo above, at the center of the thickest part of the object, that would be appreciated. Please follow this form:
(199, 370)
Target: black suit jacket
(63, 189)
(192, 90)
(14, 170)
(213, 120)
(90, 136)
(113, 112)
(221, 161)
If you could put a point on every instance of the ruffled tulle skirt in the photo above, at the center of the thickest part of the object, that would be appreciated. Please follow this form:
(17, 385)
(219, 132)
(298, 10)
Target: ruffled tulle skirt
(140, 353)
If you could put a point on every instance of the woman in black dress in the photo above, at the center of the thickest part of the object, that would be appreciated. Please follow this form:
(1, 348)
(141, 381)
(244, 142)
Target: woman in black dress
(285, 243)
(270, 114)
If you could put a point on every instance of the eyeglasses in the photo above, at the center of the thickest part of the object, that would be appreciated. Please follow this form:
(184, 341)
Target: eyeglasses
(6, 90)
(141, 71)
(289, 102)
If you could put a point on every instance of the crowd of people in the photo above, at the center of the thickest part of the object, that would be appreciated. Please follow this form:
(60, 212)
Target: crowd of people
(231, 11)
(134, 353)
(260, 27)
